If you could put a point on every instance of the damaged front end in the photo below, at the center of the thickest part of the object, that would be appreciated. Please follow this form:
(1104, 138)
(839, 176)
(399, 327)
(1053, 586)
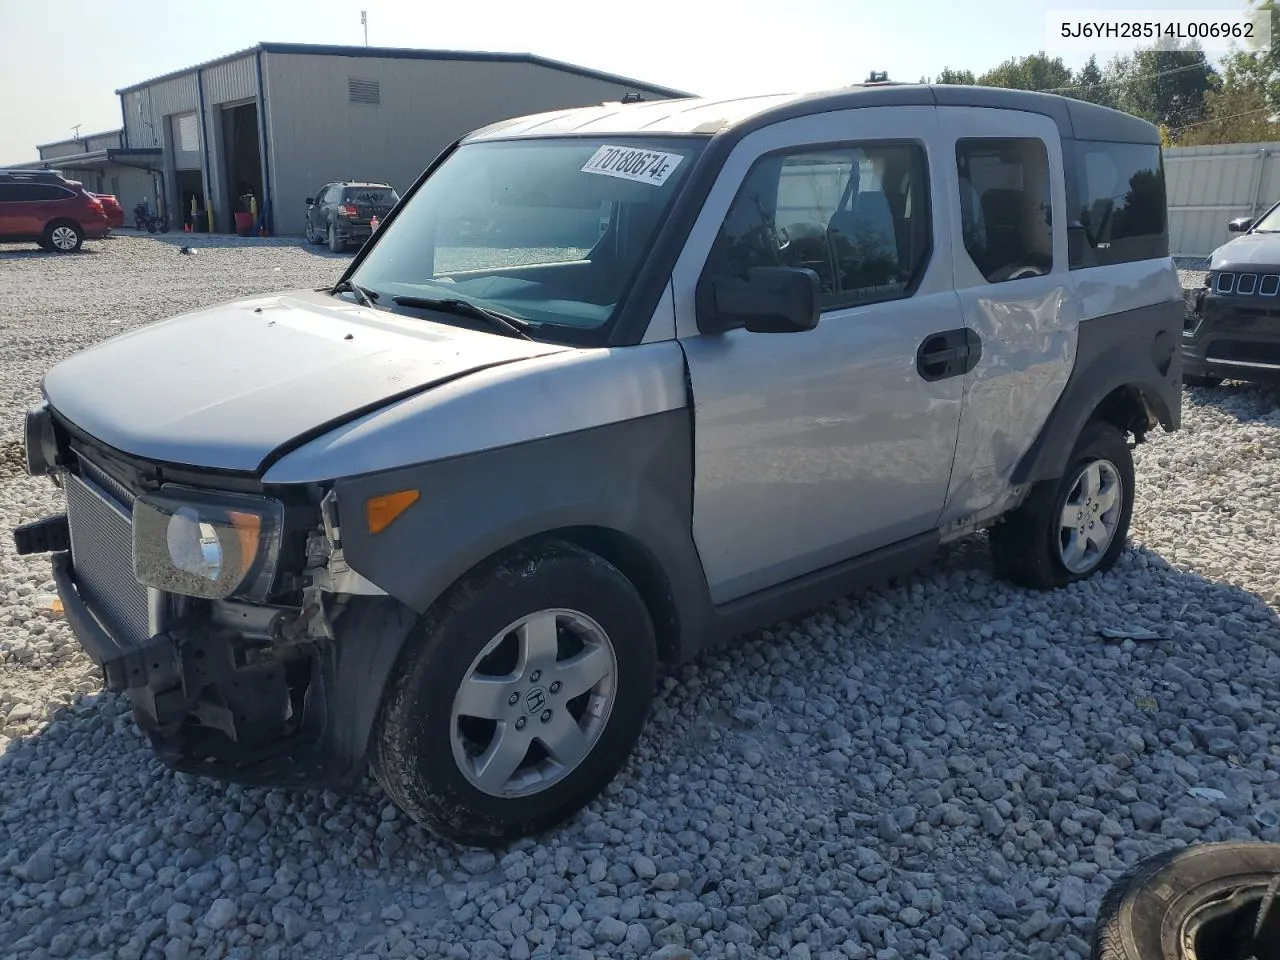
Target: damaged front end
(224, 610)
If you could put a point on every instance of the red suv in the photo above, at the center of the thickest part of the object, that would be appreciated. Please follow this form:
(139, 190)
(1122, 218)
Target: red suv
(45, 208)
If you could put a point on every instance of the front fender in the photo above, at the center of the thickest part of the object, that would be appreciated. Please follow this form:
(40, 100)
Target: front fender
(632, 477)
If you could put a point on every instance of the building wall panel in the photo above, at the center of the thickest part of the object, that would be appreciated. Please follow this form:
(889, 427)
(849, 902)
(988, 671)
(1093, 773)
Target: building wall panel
(234, 80)
(317, 134)
(145, 109)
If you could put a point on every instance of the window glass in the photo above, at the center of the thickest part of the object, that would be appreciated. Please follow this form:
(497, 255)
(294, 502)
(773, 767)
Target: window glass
(45, 191)
(552, 231)
(375, 195)
(857, 216)
(1122, 202)
(1005, 207)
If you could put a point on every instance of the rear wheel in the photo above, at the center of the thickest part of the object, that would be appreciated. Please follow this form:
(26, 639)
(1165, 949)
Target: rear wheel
(1075, 527)
(335, 244)
(1203, 902)
(519, 698)
(63, 236)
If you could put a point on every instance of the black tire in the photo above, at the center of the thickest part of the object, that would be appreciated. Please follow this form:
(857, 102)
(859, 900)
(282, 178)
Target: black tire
(151, 226)
(1143, 913)
(1025, 545)
(312, 235)
(1196, 380)
(335, 245)
(412, 755)
(63, 236)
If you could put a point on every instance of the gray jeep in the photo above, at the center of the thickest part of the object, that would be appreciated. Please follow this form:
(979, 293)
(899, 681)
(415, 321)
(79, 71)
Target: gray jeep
(608, 384)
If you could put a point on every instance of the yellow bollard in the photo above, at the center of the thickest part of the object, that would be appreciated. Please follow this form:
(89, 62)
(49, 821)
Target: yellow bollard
(253, 207)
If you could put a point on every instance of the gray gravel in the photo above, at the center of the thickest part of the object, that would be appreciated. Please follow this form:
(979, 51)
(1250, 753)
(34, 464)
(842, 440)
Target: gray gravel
(942, 768)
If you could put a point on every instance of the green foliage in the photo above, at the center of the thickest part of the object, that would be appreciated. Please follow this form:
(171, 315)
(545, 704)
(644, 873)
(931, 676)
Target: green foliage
(1034, 72)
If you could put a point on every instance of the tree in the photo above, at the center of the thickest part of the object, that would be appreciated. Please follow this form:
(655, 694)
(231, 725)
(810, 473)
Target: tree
(1166, 86)
(1093, 85)
(1253, 69)
(1034, 72)
(1238, 113)
(948, 75)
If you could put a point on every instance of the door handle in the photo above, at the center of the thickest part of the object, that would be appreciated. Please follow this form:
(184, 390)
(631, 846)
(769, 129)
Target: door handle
(951, 353)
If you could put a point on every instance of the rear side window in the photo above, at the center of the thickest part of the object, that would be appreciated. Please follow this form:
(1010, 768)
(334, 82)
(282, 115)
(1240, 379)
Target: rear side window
(1122, 203)
(1005, 207)
(47, 191)
(9, 192)
(380, 195)
(858, 216)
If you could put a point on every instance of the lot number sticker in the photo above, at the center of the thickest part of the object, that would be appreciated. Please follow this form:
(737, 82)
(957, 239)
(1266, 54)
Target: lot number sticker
(630, 163)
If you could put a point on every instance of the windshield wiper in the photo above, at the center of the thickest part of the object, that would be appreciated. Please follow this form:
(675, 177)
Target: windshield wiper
(512, 326)
(363, 296)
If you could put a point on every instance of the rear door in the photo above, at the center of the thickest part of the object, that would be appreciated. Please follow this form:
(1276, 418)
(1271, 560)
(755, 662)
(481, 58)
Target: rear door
(20, 210)
(56, 203)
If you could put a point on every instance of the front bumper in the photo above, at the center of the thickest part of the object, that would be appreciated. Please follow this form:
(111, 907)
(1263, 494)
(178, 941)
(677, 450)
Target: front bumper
(213, 701)
(1232, 337)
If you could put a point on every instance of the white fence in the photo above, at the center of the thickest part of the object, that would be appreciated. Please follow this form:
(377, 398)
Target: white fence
(1208, 186)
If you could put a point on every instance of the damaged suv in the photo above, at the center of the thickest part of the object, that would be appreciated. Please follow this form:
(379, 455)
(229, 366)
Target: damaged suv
(607, 384)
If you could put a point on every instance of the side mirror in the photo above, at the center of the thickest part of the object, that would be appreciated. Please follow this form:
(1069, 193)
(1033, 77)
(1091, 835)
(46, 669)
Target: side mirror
(1240, 224)
(311, 201)
(768, 300)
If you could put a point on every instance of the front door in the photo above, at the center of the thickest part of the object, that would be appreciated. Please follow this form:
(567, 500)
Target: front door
(814, 447)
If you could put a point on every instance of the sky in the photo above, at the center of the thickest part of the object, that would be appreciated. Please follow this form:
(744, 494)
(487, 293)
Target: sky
(62, 62)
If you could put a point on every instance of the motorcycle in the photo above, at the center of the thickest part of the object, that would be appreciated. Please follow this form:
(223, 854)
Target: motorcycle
(144, 219)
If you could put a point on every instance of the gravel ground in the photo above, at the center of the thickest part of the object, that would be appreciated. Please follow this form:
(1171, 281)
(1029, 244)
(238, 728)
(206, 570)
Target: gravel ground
(943, 768)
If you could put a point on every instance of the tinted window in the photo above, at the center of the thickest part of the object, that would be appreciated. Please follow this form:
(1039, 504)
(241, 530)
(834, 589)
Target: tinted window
(9, 192)
(1122, 202)
(856, 216)
(26, 192)
(45, 191)
(1005, 207)
(382, 195)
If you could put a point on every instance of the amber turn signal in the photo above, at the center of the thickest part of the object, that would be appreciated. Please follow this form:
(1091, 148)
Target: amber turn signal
(381, 512)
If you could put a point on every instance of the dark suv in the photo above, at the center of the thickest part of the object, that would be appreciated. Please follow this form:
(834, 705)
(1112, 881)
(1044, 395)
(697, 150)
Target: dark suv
(43, 207)
(1234, 331)
(340, 212)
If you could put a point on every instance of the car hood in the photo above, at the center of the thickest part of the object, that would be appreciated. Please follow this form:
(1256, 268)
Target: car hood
(1252, 249)
(230, 386)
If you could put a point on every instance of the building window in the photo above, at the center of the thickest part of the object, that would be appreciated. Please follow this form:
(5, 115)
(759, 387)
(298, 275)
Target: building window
(857, 216)
(188, 134)
(363, 91)
(1005, 207)
(1122, 202)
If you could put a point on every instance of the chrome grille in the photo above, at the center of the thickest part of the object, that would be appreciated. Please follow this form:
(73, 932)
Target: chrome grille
(102, 554)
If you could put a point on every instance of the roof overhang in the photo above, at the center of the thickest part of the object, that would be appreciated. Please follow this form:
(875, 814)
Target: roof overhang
(94, 159)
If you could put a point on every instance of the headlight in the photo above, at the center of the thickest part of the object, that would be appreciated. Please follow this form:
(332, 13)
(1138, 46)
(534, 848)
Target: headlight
(203, 544)
(40, 443)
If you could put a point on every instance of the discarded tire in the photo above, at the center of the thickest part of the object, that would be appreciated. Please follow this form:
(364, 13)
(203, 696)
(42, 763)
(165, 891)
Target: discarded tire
(1213, 901)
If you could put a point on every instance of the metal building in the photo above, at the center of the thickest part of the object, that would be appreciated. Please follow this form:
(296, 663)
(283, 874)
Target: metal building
(278, 120)
(104, 165)
(1210, 185)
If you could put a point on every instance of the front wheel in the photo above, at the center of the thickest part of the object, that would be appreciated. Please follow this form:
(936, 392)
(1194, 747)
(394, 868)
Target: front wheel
(1072, 528)
(520, 696)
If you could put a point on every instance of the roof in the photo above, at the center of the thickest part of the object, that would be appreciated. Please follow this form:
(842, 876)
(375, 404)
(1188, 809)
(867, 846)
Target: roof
(409, 53)
(80, 139)
(695, 115)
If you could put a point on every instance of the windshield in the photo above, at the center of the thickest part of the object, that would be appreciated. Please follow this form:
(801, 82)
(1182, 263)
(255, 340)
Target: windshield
(551, 231)
(1270, 222)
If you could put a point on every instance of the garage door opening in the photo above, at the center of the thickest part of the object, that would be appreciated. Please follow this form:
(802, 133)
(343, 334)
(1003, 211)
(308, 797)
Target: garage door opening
(243, 165)
(191, 197)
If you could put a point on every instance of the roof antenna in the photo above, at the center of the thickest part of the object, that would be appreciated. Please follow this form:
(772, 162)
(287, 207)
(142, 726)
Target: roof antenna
(878, 76)
(75, 128)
